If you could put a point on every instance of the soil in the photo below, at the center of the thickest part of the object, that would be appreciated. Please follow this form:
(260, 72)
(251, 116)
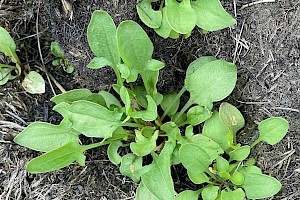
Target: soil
(265, 45)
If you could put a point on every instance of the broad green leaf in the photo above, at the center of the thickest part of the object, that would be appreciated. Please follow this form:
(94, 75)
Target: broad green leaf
(197, 176)
(42, 136)
(7, 44)
(180, 15)
(211, 15)
(56, 51)
(174, 34)
(149, 114)
(250, 162)
(175, 155)
(195, 65)
(224, 175)
(143, 193)
(148, 131)
(259, 186)
(110, 99)
(239, 154)
(159, 170)
(101, 35)
(189, 132)
(90, 119)
(237, 178)
(99, 62)
(212, 148)
(5, 74)
(154, 65)
(131, 166)
(140, 92)
(222, 164)
(126, 99)
(237, 194)
(78, 94)
(170, 103)
(197, 115)
(34, 83)
(150, 79)
(204, 89)
(57, 159)
(250, 170)
(134, 46)
(143, 146)
(210, 192)
(188, 194)
(112, 152)
(231, 117)
(152, 18)
(165, 29)
(124, 70)
(272, 130)
(215, 130)
(179, 121)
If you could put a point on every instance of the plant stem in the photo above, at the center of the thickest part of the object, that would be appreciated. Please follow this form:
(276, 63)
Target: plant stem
(258, 140)
(7, 66)
(175, 99)
(134, 125)
(94, 145)
(185, 107)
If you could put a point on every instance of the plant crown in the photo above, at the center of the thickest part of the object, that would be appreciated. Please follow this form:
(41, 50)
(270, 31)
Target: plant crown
(213, 158)
(170, 18)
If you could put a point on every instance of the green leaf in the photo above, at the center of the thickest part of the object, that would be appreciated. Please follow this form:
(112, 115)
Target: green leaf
(259, 186)
(140, 92)
(188, 194)
(56, 51)
(168, 101)
(165, 29)
(224, 175)
(126, 99)
(237, 178)
(131, 166)
(5, 74)
(101, 35)
(210, 192)
(57, 159)
(212, 148)
(231, 117)
(222, 164)
(179, 121)
(149, 114)
(41, 136)
(78, 94)
(150, 79)
(197, 115)
(237, 194)
(215, 130)
(124, 70)
(239, 154)
(154, 65)
(148, 131)
(7, 44)
(211, 15)
(91, 119)
(152, 18)
(180, 15)
(194, 66)
(134, 47)
(112, 152)
(99, 62)
(143, 193)
(250, 170)
(174, 34)
(204, 89)
(110, 99)
(34, 83)
(272, 130)
(69, 69)
(143, 146)
(197, 177)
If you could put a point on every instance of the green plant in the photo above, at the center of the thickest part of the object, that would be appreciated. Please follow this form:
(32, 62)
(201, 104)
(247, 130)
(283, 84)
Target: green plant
(170, 18)
(33, 82)
(60, 58)
(214, 160)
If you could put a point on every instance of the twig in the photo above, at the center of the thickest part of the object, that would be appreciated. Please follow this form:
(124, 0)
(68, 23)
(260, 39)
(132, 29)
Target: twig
(11, 125)
(256, 2)
(237, 43)
(289, 109)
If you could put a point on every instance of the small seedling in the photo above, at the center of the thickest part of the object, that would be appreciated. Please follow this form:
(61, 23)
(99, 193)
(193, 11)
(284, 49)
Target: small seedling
(33, 81)
(60, 60)
(214, 160)
(171, 18)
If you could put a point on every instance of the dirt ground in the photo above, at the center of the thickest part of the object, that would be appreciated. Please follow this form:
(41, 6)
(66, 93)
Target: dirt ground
(265, 44)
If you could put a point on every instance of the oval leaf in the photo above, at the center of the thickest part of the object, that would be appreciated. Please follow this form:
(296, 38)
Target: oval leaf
(112, 152)
(7, 44)
(240, 154)
(152, 18)
(210, 192)
(237, 194)
(34, 83)
(188, 194)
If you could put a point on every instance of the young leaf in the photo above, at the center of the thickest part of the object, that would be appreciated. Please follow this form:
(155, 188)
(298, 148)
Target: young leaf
(56, 51)
(57, 159)
(78, 94)
(101, 35)
(150, 79)
(237, 178)
(188, 194)
(110, 99)
(143, 193)
(210, 192)
(126, 99)
(34, 83)
(239, 154)
(5, 74)
(231, 117)
(165, 29)
(197, 115)
(215, 130)
(134, 47)
(169, 100)
(149, 114)
(180, 15)
(112, 152)
(259, 186)
(152, 18)
(91, 119)
(211, 15)
(143, 146)
(204, 89)
(41, 136)
(237, 194)
(222, 164)
(272, 130)
(7, 44)
(99, 62)
(131, 166)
